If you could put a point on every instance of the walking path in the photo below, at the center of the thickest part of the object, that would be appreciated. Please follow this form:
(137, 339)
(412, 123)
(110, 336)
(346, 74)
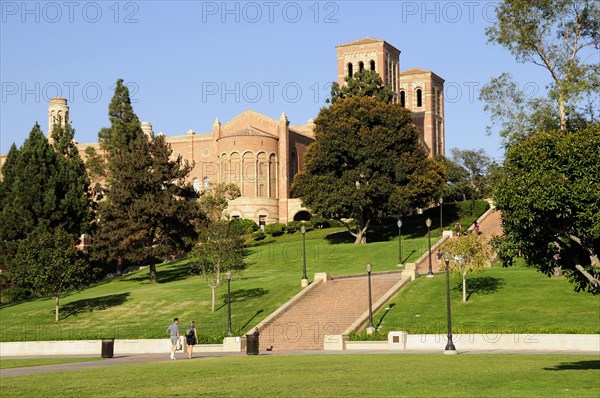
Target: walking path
(153, 358)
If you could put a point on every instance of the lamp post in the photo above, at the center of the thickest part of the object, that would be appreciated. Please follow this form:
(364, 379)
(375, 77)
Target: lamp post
(450, 349)
(428, 223)
(441, 216)
(399, 243)
(228, 277)
(370, 328)
(304, 281)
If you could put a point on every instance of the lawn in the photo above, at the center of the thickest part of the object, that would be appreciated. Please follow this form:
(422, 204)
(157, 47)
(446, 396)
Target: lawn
(20, 363)
(131, 307)
(334, 375)
(517, 299)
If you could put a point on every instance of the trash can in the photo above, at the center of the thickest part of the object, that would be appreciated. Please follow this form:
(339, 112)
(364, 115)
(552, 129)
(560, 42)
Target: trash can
(251, 344)
(108, 348)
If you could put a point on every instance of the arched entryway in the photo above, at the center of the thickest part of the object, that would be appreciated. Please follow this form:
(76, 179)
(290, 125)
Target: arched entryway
(302, 215)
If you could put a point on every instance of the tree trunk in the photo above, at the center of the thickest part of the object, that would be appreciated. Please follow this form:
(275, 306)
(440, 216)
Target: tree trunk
(464, 288)
(153, 276)
(57, 299)
(360, 233)
(119, 265)
(212, 308)
(561, 110)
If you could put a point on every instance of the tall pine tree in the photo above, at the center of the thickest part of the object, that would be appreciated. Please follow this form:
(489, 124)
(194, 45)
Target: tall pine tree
(149, 212)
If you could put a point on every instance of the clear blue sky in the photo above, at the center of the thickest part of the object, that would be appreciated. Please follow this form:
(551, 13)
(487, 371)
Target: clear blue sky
(188, 62)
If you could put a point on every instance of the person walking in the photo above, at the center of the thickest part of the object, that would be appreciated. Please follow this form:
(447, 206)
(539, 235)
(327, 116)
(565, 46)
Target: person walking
(476, 228)
(173, 332)
(191, 338)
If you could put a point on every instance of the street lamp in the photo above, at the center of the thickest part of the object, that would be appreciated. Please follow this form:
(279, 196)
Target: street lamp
(304, 281)
(228, 277)
(399, 243)
(441, 214)
(370, 328)
(450, 349)
(428, 223)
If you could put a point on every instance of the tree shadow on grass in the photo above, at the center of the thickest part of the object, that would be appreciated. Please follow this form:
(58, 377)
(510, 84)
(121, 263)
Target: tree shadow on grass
(248, 322)
(75, 308)
(481, 285)
(164, 275)
(580, 365)
(244, 295)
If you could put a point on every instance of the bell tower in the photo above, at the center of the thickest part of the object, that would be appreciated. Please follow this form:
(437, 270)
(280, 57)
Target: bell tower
(371, 54)
(58, 112)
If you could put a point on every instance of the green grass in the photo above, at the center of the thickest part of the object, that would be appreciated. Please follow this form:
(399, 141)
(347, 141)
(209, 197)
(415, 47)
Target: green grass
(20, 363)
(132, 307)
(517, 299)
(386, 375)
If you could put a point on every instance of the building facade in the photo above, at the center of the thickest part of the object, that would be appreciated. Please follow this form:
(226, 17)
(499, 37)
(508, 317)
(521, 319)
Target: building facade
(419, 90)
(262, 155)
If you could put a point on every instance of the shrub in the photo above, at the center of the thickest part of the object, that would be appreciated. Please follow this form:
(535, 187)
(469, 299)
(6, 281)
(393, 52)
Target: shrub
(363, 336)
(275, 229)
(293, 226)
(320, 223)
(464, 208)
(258, 235)
(242, 226)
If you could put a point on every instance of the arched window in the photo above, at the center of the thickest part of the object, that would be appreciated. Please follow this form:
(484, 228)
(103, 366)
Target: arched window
(350, 69)
(293, 164)
(419, 98)
(402, 98)
(196, 184)
(205, 183)
(361, 66)
(372, 64)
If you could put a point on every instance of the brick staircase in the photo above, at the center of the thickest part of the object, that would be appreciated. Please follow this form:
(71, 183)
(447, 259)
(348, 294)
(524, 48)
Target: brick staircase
(327, 309)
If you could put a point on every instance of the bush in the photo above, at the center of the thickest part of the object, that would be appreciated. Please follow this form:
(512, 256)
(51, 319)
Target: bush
(294, 226)
(464, 208)
(320, 223)
(363, 336)
(242, 226)
(336, 223)
(276, 229)
(13, 294)
(258, 235)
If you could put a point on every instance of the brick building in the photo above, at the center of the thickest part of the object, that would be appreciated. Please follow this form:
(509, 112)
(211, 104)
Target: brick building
(262, 154)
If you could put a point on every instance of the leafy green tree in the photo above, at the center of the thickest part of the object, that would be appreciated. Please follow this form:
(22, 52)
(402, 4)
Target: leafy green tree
(476, 164)
(219, 250)
(457, 185)
(49, 265)
(555, 35)
(368, 162)
(150, 210)
(214, 201)
(550, 202)
(363, 83)
(470, 253)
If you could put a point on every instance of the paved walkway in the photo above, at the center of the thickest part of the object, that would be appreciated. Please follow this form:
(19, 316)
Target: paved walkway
(150, 358)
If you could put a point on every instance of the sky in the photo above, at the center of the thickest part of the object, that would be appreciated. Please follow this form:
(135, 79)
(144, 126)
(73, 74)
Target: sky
(189, 62)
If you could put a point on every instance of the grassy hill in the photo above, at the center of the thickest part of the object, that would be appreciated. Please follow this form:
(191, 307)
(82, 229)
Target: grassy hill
(500, 300)
(131, 307)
